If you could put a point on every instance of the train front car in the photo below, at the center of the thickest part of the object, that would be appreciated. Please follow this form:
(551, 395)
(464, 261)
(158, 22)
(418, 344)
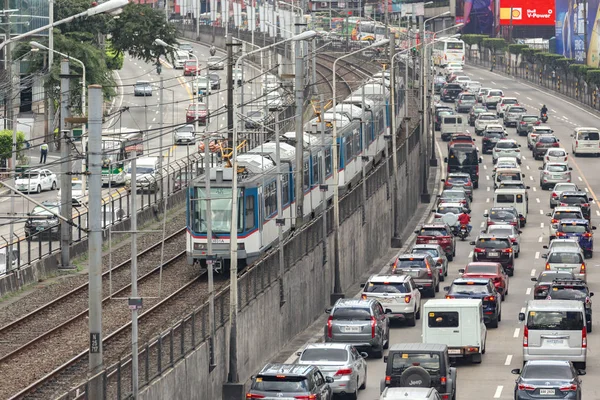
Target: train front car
(251, 175)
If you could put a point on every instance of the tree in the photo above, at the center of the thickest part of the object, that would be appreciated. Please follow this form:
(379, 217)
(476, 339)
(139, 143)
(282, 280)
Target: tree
(6, 143)
(516, 48)
(89, 29)
(593, 77)
(138, 27)
(494, 44)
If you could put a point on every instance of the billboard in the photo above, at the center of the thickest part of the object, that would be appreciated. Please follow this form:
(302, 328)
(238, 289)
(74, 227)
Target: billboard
(571, 29)
(529, 12)
(477, 15)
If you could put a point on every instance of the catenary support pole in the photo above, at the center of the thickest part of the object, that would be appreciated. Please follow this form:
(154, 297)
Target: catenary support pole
(396, 242)
(134, 291)
(230, 87)
(50, 132)
(280, 221)
(209, 252)
(65, 165)
(299, 128)
(95, 363)
(161, 103)
(13, 165)
(425, 196)
(323, 179)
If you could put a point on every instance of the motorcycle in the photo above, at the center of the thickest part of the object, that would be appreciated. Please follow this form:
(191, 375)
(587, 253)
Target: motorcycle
(544, 117)
(463, 232)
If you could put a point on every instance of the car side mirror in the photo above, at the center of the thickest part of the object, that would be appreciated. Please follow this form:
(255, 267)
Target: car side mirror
(581, 372)
(558, 140)
(328, 311)
(298, 353)
(591, 294)
(362, 285)
(519, 145)
(533, 279)
(544, 255)
(329, 379)
(523, 175)
(593, 227)
(545, 246)
(28, 213)
(364, 354)
(461, 271)
(442, 180)
(445, 159)
(515, 371)
(527, 187)
(521, 316)
(590, 199)
(520, 232)
(446, 288)
(540, 168)
(480, 160)
(419, 287)
(385, 359)
(472, 243)
(548, 214)
(570, 168)
(486, 215)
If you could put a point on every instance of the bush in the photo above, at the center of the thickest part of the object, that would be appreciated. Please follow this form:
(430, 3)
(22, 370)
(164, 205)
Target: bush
(579, 70)
(517, 48)
(471, 39)
(563, 64)
(6, 143)
(114, 59)
(494, 44)
(593, 77)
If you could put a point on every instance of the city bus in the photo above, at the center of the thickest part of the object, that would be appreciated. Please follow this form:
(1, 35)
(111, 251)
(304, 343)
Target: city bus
(449, 51)
(117, 147)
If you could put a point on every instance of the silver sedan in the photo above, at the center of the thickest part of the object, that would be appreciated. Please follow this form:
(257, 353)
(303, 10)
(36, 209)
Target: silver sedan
(438, 254)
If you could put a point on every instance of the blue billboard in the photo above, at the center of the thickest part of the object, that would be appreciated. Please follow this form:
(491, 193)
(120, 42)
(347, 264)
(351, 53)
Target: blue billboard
(571, 31)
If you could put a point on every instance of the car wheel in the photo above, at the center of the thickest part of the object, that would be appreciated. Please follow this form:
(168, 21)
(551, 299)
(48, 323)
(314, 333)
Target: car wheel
(386, 345)
(437, 287)
(494, 323)
(418, 313)
(53, 185)
(38, 189)
(510, 272)
(412, 321)
(517, 254)
(500, 316)
(450, 257)
(589, 327)
(364, 384)
(353, 396)
(377, 353)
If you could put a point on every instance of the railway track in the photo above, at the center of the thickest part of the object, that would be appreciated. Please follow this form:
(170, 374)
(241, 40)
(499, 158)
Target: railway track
(44, 338)
(349, 76)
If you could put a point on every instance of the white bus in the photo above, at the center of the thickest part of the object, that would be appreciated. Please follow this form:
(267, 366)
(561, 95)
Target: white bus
(447, 51)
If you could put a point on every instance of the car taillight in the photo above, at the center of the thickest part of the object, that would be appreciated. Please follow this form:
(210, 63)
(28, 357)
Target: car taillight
(525, 337)
(343, 371)
(489, 96)
(582, 269)
(407, 298)
(429, 272)
(555, 144)
(443, 380)
(449, 297)
(554, 195)
(563, 204)
(568, 388)
(523, 386)
(477, 250)
(364, 296)
(489, 298)
(587, 235)
(254, 396)
(507, 250)
(553, 221)
(514, 223)
(514, 240)
(547, 267)
(522, 123)
(584, 337)
(585, 205)
(373, 324)
(497, 279)
(468, 184)
(538, 144)
(330, 326)
(577, 143)
(445, 91)
(307, 397)
(388, 380)
(560, 234)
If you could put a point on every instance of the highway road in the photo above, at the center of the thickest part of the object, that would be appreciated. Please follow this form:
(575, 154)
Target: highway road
(144, 113)
(492, 379)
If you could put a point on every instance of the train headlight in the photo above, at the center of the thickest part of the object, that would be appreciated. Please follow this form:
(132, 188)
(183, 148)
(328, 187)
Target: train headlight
(199, 246)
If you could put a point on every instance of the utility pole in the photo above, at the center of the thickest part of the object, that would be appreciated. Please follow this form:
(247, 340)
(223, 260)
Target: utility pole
(65, 166)
(323, 174)
(13, 161)
(210, 259)
(95, 364)
(585, 31)
(394, 133)
(134, 292)
(230, 87)
(50, 132)
(8, 101)
(299, 83)
(425, 197)
(280, 221)
(161, 102)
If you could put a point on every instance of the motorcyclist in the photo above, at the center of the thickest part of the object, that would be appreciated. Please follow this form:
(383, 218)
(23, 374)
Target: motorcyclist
(544, 110)
(212, 50)
(465, 219)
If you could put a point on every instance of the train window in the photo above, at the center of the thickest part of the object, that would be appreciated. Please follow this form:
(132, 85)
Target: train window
(270, 194)
(380, 121)
(306, 175)
(315, 166)
(327, 161)
(250, 206)
(357, 147)
(285, 188)
(348, 148)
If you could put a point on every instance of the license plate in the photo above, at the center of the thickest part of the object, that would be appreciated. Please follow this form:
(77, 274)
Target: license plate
(557, 176)
(385, 300)
(547, 392)
(454, 351)
(493, 254)
(554, 341)
(433, 241)
(565, 269)
(352, 329)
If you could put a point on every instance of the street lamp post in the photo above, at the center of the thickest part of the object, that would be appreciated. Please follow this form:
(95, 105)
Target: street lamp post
(231, 389)
(337, 287)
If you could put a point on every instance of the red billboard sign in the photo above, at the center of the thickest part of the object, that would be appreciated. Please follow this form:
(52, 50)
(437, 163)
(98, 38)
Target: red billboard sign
(527, 12)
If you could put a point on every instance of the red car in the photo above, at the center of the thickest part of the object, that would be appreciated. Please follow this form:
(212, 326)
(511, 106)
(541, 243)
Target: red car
(438, 234)
(197, 111)
(190, 67)
(490, 270)
(461, 138)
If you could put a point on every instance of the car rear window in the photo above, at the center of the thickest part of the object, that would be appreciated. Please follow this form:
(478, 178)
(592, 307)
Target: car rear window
(442, 319)
(402, 361)
(501, 230)
(589, 136)
(494, 134)
(492, 243)
(470, 97)
(501, 215)
(481, 269)
(556, 153)
(547, 372)
(568, 293)
(458, 180)
(408, 263)
(349, 314)
(486, 117)
(546, 139)
(386, 287)
(280, 383)
(559, 320)
(495, 93)
(564, 258)
(324, 355)
(529, 118)
(508, 176)
(573, 228)
(447, 210)
(573, 199)
(516, 110)
(433, 232)
(507, 145)
(469, 288)
(549, 277)
(556, 168)
(510, 101)
(567, 215)
(432, 252)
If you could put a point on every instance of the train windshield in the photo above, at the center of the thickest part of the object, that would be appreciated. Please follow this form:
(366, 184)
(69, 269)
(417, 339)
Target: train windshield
(220, 210)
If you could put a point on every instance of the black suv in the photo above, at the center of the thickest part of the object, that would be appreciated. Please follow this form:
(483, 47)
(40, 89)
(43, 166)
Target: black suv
(573, 289)
(577, 199)
(450, 91)
(45, 224)
(492, 248)
(290, 380)
(478, 288)
(420, 365)
(489, 140)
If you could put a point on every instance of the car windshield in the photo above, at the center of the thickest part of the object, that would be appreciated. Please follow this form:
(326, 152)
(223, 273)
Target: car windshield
(556, 168)
(214, 59)
(30, 176)
(142, 84)
(325, 354)
(481, 269)
(76, 186)
(432, 252)
(386, 287)
(507, 145)
(350, 314)
(469, 288)
(567, 215)
(568, 293)
(266, 383)
(41, 211)
(564, 258)
(190, 63)
(560, 320)
(411, 264)
(494, 134)
(492, 243)
(547, 372)
(549, 276)
(402, 361)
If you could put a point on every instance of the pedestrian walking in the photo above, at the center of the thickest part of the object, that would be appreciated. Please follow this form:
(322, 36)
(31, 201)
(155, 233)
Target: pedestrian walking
(43, 152)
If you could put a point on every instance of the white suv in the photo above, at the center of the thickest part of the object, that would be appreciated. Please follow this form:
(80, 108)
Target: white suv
(398, 294)
(504, 103)
(483, 120)
(493, 97)
(507, 148)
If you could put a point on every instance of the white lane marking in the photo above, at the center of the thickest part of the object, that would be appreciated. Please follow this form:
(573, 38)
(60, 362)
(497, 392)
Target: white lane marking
(537, 255)
(598, 213)
(533, 272)
(529, 98)
(537, 199)
(517, 330)
(485, 211)
(534, 189)
(482, 224)
(508, 359)
(493, 83)
(542, 213)
(498, 392)
(580, 180)
(517, 93)
(471, 255)
(487, 177)
(524, 158)
(487, 200)
(484, 166)
(586, 189)
(154, 119)
(488, 189)
(541, 223)
(149, 126)
(523, 309)
(530, 177)
(565, 118)
(540, 239)
(527, 166)
(156, 112)
(528, 291)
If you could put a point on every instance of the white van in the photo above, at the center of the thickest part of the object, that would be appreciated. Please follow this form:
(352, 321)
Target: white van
(555, 330)
(4, 259)
(586, 141)
(179, 59)
(457, 323)
(513, 197)
(451, 124)
(148, 175)
(507, 174)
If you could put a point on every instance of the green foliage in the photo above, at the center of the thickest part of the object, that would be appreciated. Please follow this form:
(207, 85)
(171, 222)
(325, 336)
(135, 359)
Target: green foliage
(138, 27)
(579, 70)
(494, 44)
(516, 48)
(114, 59)
(593, 77)
(471, 39)
(530, 54)
(6, 143)
(562, 64)
(548, 59)
(91, 28)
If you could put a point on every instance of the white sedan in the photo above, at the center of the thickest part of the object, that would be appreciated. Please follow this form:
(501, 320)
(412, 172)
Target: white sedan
(36, 180)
